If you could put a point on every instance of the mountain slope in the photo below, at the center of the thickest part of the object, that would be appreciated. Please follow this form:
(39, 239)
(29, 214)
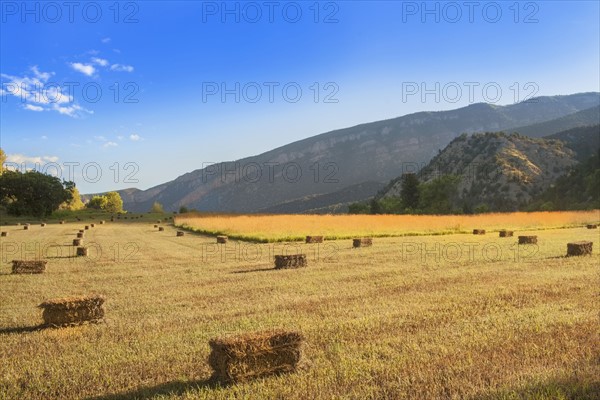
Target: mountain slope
(584, 141)
(502, 171)
(332, 161)
(590, 116)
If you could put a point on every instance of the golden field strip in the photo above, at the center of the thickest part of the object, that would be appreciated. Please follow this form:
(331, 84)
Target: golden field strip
(279, 228)
(427, 317)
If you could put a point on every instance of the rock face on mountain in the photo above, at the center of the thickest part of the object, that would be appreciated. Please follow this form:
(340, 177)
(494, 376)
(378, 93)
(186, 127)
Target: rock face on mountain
(330, 162)
(502, 171)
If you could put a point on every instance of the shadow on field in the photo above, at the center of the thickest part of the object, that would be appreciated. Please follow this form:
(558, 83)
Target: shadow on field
(245, 271)
(569, 389)
(22, 329)
(176, 388)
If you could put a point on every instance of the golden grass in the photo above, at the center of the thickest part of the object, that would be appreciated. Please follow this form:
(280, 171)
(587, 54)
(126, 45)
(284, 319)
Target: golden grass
(274, 228)
(404, 319)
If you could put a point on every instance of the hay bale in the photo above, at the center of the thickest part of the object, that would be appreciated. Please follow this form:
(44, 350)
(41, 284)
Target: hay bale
(102, 222)
(180, 233)
(592, 226)
(254, 355)
(362, 242)
(160, 229)
(158, 221)
(290, 261)
(582, 248)
(80, 235)
(72, 310)
(314, 239)
(4, 234)
(82, 251)
(62, 222)
(92, 225)
(155, 226)
(222, 239)
(505, 233)
(112, 219)
(77, 242)
(86, 227)
(26, 227)
(28, 267)
(478, 231)
(42, 224)
(527, 239)
(81, 231)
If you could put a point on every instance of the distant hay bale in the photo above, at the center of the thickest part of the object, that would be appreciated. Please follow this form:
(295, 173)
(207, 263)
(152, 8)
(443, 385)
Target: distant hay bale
(28, 267)
(102, 222)
(505, 233)
(25, 227)
(112, 219)
(62, 222)
(92, 225)
(592, 226)
(222, 239)
(82, 251)
(314, 239)
(160, 229)
(72, 310)
(77, 242)
(81, 231)
(582, 248)
(80, 235)
(478, 231)
(290, 261)
(254, 355)
(42, 224)
(4, 234)
(362, 242)
(527, 239)
(86, 227)
(180, 233)
(158, 221)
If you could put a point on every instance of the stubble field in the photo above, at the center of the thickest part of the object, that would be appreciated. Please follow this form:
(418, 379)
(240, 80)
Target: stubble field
(456, 316)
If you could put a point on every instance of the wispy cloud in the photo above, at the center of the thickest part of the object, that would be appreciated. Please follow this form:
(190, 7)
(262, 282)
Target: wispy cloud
(31, 107)
(85, 69)
(135, 137)
(105, 40)
(110, 144)
(74, 110)
(121, 68)
(100, 61)
(18, 158)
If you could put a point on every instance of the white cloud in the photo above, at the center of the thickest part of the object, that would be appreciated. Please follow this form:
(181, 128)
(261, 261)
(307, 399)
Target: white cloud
(100, 138)
(135, 137)
(100, 61)
(120, 137)
(105, 40)
(74, 110)
(21, 158)
(110, 144)
(43, 76)
(33, 108)
(85, 69)
(121, 68)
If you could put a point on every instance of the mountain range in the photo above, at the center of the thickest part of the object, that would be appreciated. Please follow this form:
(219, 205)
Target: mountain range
(326, 172)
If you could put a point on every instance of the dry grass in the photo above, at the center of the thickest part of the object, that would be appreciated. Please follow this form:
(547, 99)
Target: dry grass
(404, 319)
(273, 228)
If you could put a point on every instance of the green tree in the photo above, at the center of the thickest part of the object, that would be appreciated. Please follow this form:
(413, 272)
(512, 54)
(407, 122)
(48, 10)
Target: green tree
(409, 192)
(75, 202)
(157, 208)
(440, 195)
(183, 210)
(114, 202)
(2, 160)
(97, 203)
(359, 208)
(33, 193)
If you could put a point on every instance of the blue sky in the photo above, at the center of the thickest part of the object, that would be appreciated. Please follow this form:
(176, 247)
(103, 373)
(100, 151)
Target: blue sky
(142, 92)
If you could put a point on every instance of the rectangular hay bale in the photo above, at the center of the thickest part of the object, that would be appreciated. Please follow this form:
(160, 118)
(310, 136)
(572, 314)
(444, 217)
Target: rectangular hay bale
(314, 239)
(254, 355)
(28, 266)
(362, 242)
(72, 310)
(290, 261)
